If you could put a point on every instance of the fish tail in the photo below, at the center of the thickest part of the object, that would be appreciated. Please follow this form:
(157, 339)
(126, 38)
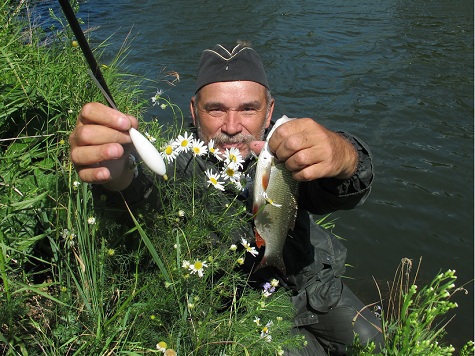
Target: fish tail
(275, 261)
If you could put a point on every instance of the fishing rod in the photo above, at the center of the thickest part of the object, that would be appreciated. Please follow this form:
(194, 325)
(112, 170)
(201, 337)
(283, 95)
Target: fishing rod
(86, 50)
(144, 147)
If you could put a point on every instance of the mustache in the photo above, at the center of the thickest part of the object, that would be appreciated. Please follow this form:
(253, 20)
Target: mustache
(224, 139)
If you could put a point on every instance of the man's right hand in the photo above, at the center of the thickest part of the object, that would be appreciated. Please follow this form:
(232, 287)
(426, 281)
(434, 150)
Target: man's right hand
(100, 144)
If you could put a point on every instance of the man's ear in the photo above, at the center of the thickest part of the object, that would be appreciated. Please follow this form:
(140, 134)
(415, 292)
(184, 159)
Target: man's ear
(192, 109)
(269, 113)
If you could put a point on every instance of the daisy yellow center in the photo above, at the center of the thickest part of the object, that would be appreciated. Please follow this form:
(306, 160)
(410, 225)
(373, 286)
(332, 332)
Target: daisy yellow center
(198, 265)
(169, 150)
(162, 344)
(211, 149)
(232, 157)
(196, 149)
(230, 172)
(184, 143)
(213, 180)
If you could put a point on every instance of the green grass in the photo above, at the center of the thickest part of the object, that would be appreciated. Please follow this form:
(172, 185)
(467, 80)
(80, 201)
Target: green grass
(76, 281)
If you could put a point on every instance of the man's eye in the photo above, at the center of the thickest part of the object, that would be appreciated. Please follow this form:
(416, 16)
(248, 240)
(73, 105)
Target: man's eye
(216, 112)
(249, 111)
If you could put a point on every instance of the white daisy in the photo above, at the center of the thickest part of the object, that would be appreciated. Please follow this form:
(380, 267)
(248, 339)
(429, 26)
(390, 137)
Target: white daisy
(266, 294)
(214, 150)
(237, 184)
(231, 172)
(150, 137)
(170, 151)
(161, 346)
(213, 179)
(198, 267)
(198, 147)
(183, 142)
(270, 201)
(156, 97)
(232, 155)
(265, 332)
(252, 250)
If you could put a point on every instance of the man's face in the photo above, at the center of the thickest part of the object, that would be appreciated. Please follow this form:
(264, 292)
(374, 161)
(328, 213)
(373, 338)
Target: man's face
(232, 113)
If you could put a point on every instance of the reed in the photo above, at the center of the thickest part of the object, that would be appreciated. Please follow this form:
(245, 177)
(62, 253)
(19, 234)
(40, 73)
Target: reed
(414, 318)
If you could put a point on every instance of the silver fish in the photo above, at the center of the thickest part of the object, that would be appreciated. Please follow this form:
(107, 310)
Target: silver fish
(274, 204)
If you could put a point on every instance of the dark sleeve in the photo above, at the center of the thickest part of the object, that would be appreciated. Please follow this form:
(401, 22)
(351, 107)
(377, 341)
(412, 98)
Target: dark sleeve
(143, 191)
(136, 194)
(323, 196)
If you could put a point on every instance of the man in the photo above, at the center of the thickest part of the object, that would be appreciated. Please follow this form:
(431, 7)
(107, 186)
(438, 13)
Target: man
(233, 106)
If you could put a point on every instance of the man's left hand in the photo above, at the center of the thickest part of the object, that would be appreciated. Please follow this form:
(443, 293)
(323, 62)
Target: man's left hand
(310, 151)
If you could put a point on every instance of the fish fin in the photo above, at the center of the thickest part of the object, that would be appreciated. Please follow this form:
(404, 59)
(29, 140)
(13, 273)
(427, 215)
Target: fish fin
(276, 262)
(266, 178)
(292, 222)
(294, 218)
(255, 209)
(259, 240)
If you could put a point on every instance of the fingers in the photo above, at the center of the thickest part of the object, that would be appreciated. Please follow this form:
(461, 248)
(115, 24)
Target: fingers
(98, 141)
(98, 124)
(89, 155)
(96, 175)
(293, 136)
(91, 135)
(93, 163)
(310, 151)
(99, 114)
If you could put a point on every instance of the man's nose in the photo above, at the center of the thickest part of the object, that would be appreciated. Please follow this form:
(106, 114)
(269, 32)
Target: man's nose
(232, 123)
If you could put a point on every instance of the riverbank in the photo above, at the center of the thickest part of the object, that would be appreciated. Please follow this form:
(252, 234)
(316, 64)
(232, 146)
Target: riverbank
(74, 280)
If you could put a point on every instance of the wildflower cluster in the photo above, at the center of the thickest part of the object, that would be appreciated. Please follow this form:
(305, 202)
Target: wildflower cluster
(68, 237)
(269, 288)
(231, 158)
(156, 99)
(265, 330)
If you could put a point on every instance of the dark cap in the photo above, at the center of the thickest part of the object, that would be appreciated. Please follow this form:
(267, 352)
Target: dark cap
(221, 65)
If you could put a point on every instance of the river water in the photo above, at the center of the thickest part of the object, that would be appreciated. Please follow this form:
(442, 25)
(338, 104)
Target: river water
(396, 73)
